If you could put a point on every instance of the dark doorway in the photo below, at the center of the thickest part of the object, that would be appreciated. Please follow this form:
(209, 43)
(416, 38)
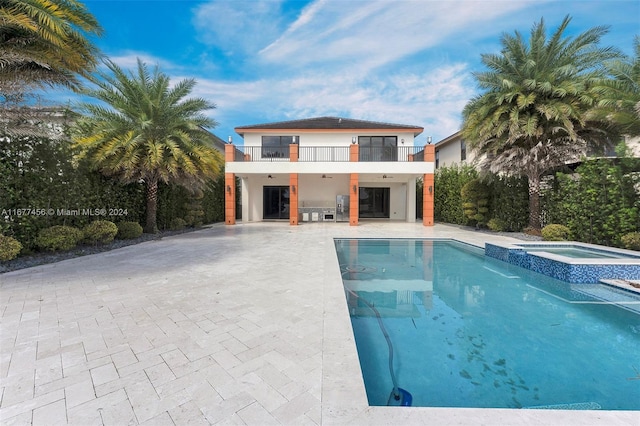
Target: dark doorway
(275, 202)
(374, 202)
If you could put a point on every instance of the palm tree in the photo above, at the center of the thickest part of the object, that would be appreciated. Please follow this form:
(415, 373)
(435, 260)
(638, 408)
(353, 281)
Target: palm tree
(619, 96)
(531, 116)
(44, 42)
(147, 132)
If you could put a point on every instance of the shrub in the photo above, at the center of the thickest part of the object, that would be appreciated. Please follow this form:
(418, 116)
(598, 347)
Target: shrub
(9, 248)
(58, 237)
(177, 224)
(475, 201)
(496, 225)
(555, 232)
(128, 230)
(100, 232)
(631, 240)
(195, 213)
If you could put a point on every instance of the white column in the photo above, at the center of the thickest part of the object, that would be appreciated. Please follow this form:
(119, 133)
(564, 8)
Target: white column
(244, 184)
(411, 200)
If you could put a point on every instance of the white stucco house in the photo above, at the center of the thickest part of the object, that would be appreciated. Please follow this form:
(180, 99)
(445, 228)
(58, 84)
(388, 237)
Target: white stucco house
(453, 150)
(328, 169)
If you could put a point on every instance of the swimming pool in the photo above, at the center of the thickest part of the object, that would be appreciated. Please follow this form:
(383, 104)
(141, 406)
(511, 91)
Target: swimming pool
(470, 331)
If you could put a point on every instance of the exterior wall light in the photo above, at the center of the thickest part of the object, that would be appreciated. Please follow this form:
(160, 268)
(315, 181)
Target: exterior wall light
(402, 141)
(430, 189)
(293, 189)
(230, 139)
(353, 140)
(229, 189)
(355, 189)
(429, 140)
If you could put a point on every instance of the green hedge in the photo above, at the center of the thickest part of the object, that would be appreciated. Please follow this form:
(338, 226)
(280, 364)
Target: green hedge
(508, 198)
(448, 182)
(509, 202)
(599, 203)
(42, 186)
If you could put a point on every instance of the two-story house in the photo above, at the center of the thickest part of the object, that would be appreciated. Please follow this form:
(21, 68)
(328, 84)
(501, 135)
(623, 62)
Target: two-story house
(453, 150)
(329, 169)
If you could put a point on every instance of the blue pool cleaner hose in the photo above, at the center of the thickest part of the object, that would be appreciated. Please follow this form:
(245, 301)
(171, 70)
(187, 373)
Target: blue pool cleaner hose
(398, 395)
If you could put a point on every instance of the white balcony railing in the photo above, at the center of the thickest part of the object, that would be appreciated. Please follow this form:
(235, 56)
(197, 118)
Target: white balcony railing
(329, 154)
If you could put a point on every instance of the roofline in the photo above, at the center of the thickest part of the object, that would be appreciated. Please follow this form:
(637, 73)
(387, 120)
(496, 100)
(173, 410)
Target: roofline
(272, 127)
(449, 139)
(416, 130)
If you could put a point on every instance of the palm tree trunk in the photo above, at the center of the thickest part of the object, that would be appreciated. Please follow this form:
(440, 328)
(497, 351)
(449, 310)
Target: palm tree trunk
(152, 206)
(534, 202)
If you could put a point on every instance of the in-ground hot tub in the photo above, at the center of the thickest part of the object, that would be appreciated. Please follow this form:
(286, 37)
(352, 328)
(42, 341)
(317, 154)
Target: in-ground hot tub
(570, 261)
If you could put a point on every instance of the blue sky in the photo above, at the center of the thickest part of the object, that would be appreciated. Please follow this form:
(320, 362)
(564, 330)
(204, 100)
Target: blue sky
(406, 62)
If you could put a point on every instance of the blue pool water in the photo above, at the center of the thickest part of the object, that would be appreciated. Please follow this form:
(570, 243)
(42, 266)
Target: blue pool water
(576, 253)
(471, 331)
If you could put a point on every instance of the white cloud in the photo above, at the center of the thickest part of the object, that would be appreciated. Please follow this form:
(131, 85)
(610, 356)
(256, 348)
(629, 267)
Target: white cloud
(356, 59)
(431, 99)
(237, 27)
(374, 33)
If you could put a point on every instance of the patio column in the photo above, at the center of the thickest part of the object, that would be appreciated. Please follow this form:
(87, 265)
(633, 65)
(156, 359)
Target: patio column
(428, 188)
(354, 156)
(353, 200)
(229, 188)
(293, 199)
(293, 186)
(293, 152)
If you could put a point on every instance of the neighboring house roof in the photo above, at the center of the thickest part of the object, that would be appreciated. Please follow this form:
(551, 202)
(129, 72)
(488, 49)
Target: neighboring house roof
(216, 141)
(328, 124)
(457, 135)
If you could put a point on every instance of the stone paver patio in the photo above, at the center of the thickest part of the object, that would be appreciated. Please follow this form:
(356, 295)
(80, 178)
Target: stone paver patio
(240, 324)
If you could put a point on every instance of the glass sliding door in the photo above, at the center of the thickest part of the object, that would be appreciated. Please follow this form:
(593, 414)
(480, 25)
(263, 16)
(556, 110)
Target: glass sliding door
(374, 202)
(277, 146)
(378, 148)
(275, 202)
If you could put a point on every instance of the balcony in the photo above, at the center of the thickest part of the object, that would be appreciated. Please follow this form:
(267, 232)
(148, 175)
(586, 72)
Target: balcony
(331, 154)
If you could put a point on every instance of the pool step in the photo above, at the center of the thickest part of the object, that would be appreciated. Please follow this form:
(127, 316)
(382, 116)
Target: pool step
(629, 285)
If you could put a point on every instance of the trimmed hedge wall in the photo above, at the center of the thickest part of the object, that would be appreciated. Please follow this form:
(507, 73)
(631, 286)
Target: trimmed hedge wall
(42, 187)
(599, 202)
(508, 201)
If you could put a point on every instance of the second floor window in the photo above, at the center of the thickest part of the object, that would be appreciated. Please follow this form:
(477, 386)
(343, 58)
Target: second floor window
(437, 158)
(277, 146)
(463, 150)
(378, 148)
